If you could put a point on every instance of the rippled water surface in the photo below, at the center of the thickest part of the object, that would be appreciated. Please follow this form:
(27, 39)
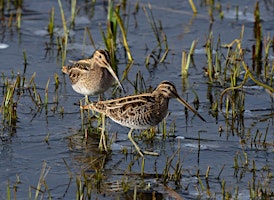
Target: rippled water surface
(53, 135)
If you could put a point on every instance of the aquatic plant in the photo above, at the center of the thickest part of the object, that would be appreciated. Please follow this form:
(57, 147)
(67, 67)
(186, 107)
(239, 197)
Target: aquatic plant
(114, 21)
(9, 104)
(8, 17)
(51, 23)
(42, 183)
(230, 73)
(257, 48)
(171, 173)
(157, 54)
(73, 12)
(193, 7)
(63, 41)
(186, 58)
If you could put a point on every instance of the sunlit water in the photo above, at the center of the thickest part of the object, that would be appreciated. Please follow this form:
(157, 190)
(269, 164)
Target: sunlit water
(46, 135)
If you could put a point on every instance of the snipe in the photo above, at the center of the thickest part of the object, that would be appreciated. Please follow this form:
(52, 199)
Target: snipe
(141, 111)
(92, 76)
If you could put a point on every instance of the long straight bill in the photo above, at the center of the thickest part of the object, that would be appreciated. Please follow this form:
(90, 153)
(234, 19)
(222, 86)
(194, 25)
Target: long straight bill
(189, 107)
(109, 68)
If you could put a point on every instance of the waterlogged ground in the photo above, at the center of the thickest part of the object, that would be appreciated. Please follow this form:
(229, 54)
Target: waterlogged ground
(52, 136)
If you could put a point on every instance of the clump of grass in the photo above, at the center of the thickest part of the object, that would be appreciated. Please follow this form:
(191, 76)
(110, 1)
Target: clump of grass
(111, 32)
(170, 172)
(156, 54)
(42, 182)
(87, 183)
(209, 54)
(235, 95)
(36, 97)
(259, 185)
(8, 107)
(165, 131)
(9, 18)
(258, 140)
(16, 86)
(63, 41)
(15, 188)
(155, 28)
(148, 135)
(229, 74)
(240, 162)
(114, 21)
(40, 190)
(186, 58)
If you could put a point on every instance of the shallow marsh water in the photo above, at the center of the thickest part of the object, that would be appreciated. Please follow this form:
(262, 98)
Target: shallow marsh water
(24, 149)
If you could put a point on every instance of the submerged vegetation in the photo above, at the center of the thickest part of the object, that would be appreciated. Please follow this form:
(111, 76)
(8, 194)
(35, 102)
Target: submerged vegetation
(229, 74)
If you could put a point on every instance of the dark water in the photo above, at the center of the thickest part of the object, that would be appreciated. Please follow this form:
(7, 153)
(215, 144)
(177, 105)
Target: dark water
(24, 150)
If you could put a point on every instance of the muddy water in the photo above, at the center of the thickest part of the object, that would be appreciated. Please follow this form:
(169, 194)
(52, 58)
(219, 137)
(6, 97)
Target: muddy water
(47, 135)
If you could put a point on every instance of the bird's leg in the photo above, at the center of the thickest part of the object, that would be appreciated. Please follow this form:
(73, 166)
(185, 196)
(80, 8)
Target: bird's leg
(86, 103)
(134, 143)
(141, 153)
(103, 143)
(86, 99)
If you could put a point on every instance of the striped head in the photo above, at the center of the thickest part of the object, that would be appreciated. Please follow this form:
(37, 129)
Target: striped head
(167, 89)
(102, 58)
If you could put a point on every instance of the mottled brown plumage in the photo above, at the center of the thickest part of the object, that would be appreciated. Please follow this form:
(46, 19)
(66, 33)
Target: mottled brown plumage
(92, 76)
(141, 111)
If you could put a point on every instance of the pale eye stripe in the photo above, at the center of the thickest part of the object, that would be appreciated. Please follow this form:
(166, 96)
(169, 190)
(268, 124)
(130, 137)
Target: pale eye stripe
(106, 54)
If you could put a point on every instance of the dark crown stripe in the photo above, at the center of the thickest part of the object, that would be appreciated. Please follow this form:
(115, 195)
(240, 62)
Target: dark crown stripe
(105, 53)
(168, 83)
